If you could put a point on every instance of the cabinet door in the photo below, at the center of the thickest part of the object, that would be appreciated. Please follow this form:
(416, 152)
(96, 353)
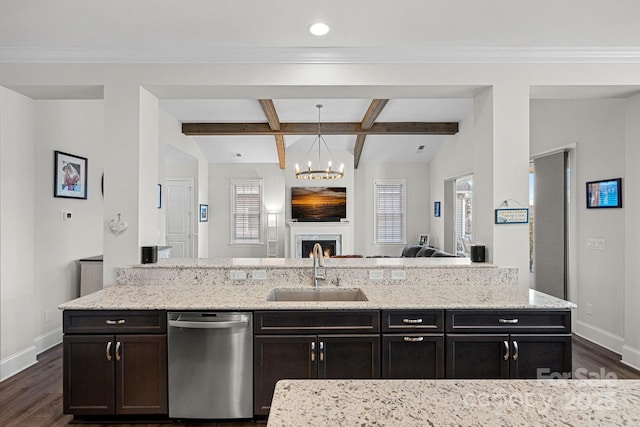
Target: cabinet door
(539, 356)
(88, 374)
(278, 357)
(349, 356)
(141, 374)
(412, 356)
(477, 356)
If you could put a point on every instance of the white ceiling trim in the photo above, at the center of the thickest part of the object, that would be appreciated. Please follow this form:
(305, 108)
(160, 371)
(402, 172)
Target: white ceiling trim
(228, 55)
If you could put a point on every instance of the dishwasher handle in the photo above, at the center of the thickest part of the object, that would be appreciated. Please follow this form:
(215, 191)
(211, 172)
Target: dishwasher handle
(208, 325)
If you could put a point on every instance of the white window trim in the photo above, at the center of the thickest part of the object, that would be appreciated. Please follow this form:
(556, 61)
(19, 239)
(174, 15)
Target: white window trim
(402, 182)
(232, 204)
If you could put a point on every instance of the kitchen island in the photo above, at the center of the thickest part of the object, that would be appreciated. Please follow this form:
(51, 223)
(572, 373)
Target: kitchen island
(417, 319)
(455, 403)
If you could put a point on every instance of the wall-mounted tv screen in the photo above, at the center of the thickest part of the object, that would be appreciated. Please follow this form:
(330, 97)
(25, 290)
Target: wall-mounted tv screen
(318, 203)
(606, 193)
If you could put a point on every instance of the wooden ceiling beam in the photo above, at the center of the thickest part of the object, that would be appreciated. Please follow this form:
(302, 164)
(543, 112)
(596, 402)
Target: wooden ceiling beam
(274, 124)
(374, 110)
(389, 128)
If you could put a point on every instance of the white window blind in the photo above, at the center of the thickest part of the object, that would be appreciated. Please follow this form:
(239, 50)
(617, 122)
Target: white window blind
(390, 211)
(246, 211)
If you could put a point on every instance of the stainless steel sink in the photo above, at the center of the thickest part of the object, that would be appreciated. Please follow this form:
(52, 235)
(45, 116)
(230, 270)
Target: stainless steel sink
(320, 294)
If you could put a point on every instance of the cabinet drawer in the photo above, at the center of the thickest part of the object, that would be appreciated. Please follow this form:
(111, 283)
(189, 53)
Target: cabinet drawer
(418, 321)
(114, 321)
(529, 321)
(315, 321)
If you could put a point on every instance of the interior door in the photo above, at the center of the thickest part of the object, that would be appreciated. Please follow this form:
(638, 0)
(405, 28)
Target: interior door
(550, 224)
(179, 207)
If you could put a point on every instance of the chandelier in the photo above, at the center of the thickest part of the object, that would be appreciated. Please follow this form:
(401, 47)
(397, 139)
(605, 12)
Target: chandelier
(327, 173)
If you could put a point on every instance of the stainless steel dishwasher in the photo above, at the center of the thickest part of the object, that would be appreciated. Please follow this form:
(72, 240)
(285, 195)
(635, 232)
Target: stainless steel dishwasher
(210, 365)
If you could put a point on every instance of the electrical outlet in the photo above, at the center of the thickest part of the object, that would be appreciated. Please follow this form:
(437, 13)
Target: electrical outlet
(588, 308)
(238, 275)
(398, 275)
(259, 274)
(596, 244)
(66, 216)
(48, 316)
(376, 274)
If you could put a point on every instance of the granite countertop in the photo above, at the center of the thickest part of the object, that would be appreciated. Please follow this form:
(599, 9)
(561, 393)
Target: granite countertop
(384, 262)
(254, 297)
(455, 403)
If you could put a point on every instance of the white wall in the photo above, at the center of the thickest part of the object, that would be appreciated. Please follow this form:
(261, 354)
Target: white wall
(75, 127)
(453, 159)
(416, 176)
(301, 157)
(196, 167)
(597, 129)
(18, 298)
(220, 176)
(631, 203)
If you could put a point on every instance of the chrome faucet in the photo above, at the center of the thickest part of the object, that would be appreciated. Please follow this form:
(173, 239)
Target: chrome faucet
(318, 261)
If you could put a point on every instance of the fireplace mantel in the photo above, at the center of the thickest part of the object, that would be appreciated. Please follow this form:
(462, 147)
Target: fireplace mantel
(320, 229)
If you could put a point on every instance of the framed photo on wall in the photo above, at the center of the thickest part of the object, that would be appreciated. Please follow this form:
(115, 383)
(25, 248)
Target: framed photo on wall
(436, 209)
(423, 239)
(204, 213)
(69, 176)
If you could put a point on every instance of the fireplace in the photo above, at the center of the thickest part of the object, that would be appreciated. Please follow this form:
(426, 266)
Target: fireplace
(328, 247)
(331, 244)
(337, 235)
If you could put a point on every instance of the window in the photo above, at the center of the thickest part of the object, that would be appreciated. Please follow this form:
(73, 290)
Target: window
(464, 217)
(246, 211)
(389, 211)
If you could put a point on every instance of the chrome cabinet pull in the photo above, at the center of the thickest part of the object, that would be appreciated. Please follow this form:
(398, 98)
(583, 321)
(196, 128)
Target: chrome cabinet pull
(506, 350)
(515, 350)
(109, 351)
(412, 321)
(313, 351)
(118, 345)
(509, 321)
(321, 351)
(414, 339)
(116, 322)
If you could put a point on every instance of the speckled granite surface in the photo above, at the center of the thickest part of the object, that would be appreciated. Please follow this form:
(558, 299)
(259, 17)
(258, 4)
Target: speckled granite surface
(340, 271)
(254, 297)
(456, 403)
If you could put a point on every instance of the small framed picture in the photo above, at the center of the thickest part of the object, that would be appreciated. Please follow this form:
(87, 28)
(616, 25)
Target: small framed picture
(159, 196)
(204, 213)
(69, 176)
(423, 239)
(436, 209)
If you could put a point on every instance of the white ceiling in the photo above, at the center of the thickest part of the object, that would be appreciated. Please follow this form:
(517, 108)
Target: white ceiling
(276, 31)
(261, 149)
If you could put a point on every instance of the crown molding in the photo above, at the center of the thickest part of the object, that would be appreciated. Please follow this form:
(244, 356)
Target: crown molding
(311, 55)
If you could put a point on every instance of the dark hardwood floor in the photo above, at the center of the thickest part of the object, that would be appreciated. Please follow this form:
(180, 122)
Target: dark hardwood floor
(33, 398)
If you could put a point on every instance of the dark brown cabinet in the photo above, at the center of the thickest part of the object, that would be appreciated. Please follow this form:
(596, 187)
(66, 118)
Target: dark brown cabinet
(507, 344)
(107, 373)
(412, 344)
(343, 352)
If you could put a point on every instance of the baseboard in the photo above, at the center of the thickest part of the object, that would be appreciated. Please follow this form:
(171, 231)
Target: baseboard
(18, 362)
(631, 356)
(46, 341)
(600, 336)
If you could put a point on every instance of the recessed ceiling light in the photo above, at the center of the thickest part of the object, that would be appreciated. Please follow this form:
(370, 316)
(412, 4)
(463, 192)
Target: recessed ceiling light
(319, 29)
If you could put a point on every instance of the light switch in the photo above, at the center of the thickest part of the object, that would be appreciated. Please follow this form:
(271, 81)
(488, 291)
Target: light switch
(596, 244)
